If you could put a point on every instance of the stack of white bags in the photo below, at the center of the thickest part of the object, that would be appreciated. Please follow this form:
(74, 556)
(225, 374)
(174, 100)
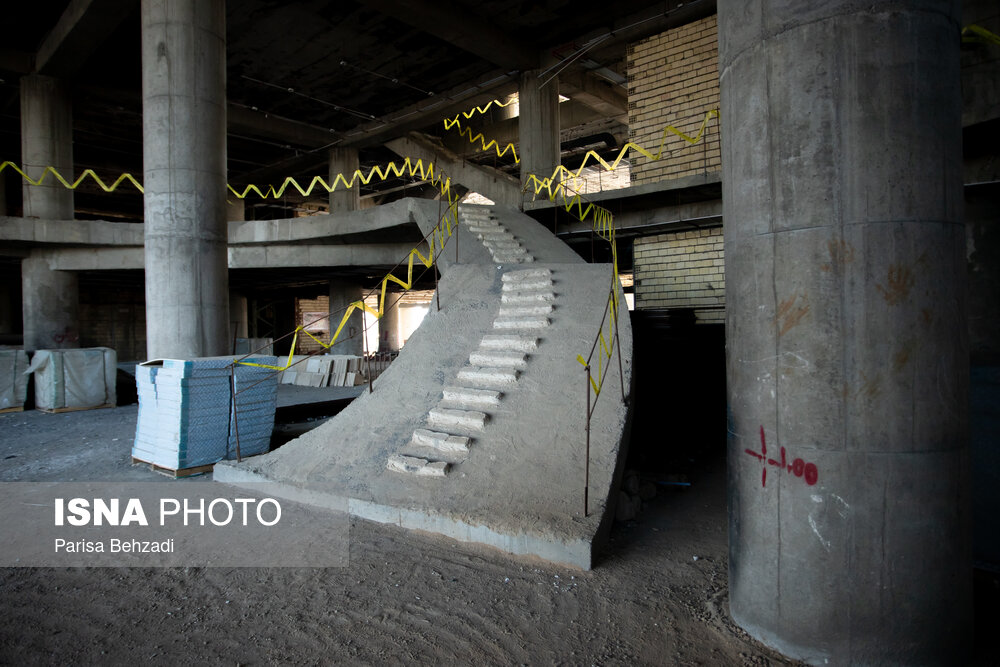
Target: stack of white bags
(186, 416)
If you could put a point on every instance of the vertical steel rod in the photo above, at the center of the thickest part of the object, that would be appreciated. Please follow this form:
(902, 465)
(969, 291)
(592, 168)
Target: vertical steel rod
(586, 474)
(236, 421)
(368, 359)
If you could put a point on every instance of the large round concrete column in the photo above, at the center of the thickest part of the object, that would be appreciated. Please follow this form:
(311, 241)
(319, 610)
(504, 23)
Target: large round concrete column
(50, 306)
(351, 340)
(538, 126)
(846, 329)
(46, 141)
(184, 154)
(344, 161)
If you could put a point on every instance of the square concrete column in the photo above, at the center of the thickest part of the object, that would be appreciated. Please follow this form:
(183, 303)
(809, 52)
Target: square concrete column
(351, 339)
(50, 305)
(344, 161)
(538, 127)
(46, 141)
(238, 316)
(184, 155)
(846, 329)
(388, 325)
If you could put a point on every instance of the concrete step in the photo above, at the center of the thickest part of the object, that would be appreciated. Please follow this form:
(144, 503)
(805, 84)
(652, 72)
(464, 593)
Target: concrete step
(508, 342)
(526, 274)
(490, 237)
(520, 323)
(445, 417)
(445, 442)
(488, 376)
(488, 228)
(415, 466)
(499, 359)
(512, 259)
(508, 311)
(472, 397)
(528, 285)
(545, 296)
(503, 243)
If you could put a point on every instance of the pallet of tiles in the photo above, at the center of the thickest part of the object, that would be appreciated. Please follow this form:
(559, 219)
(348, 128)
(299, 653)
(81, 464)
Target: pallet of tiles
(186, 410)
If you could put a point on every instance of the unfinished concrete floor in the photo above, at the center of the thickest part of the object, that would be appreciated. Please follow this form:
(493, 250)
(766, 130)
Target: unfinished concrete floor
(404, 598)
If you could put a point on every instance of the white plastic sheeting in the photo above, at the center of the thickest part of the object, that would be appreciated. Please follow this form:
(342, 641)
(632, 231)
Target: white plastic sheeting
(13, 380)
(74, 378)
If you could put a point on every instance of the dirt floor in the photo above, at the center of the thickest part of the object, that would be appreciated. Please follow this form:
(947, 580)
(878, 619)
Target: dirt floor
(659, 595)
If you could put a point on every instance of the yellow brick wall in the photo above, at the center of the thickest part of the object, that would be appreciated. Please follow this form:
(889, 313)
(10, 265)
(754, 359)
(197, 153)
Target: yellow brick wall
(682, 270)
(674, 80)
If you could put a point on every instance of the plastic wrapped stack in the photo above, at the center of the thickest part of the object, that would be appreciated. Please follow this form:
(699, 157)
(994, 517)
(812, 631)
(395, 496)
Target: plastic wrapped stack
(13, 381)
(186, 410)
(74, 379)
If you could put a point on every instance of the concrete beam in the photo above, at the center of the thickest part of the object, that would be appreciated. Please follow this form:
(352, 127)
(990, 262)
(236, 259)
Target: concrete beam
(287, 230)
(81, 29)
(491, 183)
(475, 34)
(495, 84)
(595, 92)
(571, 114)
(70, 232)
(239, 257)
(243, 120)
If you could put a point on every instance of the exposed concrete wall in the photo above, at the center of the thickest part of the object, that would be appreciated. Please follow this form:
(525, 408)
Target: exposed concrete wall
(674, 80)
(236, 209)
(342, 295)
(50, 306)
(46, 141)
(388, 324)
(344, 161)
(538, 129)
(847, 350)
(238, 317)
(184, 156)
(682, 270)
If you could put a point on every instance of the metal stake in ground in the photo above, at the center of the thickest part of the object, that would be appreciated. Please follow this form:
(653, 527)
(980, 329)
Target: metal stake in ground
(236, 423)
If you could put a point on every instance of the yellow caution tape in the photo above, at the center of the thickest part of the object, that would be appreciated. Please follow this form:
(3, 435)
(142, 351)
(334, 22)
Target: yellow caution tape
(977, 33)
(438, 238)
(72, 186)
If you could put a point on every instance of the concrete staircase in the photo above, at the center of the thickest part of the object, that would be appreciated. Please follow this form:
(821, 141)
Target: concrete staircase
(476, 431)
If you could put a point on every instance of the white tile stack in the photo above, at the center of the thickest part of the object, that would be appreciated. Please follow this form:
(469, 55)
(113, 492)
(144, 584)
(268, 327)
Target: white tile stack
(334, 370)
(493, 370)
(186, 410)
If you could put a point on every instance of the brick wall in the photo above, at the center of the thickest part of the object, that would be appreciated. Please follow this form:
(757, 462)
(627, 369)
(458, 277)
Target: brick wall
(682, 270)
(304, 309)
(674, 80)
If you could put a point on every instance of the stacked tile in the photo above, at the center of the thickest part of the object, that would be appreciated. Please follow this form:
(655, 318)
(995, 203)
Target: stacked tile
(185, 410)
(256, 397)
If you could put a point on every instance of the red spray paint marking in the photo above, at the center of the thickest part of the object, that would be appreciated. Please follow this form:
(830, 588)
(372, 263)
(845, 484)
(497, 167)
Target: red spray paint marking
(798, 467)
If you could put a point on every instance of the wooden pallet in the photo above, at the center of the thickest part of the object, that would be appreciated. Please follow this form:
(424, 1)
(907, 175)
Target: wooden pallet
(178, 473)
(19, 408)
(53, 411)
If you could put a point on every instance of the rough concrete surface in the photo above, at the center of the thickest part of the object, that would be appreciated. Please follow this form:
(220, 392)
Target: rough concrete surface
(404, 597)
(521, 485)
